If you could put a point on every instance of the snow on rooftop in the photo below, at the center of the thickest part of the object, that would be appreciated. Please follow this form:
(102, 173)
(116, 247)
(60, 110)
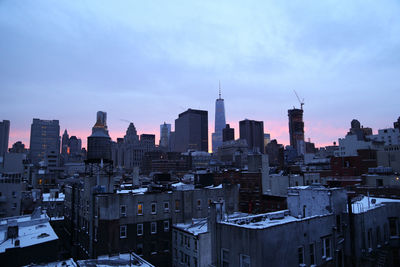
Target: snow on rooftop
(182, 186)
(30, 231)
(214, 187)
(366, 204)
(121, 260)
(198, 226)
(47, 197)
(141, 190)
(65, 263)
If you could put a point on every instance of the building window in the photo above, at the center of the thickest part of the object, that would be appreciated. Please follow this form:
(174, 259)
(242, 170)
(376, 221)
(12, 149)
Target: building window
(326, 248)
(181, 235)
(140, 209)
(312, 254)
(244, 260)
(153, 208)
(153, 227)
(166, 226)
(140, 229)
(166, 206)
(14, 194)
(225, 257)
(181, 256)
(393, 226)
(378, 235)
(153, 248)
(187, 260)
(186, 241)
(338, 223)
(122, 231)
(139, 249)
(195, 244)
(199, 204)
(370, 238)
(14, 206)
(175, 238)
(300, 253)
(175, 253)
(177, 206)
(122, 210)
(195, 264)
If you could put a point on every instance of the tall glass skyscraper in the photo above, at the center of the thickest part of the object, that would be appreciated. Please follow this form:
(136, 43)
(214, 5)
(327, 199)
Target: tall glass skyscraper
(220, 123)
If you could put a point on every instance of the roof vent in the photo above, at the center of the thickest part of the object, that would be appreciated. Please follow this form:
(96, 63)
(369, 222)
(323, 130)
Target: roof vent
(16, 243)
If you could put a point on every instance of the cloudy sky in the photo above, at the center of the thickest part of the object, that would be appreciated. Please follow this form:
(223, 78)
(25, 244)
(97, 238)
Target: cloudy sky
(148, 61)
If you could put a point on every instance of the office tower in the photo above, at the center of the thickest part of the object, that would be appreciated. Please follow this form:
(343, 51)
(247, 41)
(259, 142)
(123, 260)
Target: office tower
(191, 131)
(99, 143)
(64, 143)
(253, 132)
(165, 131)
(74, 145)
(148, 142)
(45, 139)
(18, 147)
(228, 133)
(131, 136)
(296, 127)
(4, 135)
(396, 124)
(267, 139)
(219, 123)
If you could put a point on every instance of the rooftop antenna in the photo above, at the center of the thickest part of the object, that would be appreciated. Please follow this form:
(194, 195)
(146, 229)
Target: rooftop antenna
(300, 101)
(219, 89)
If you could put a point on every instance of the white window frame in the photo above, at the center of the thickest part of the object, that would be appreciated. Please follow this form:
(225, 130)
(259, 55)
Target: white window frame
(166, 207)
(153, 204)
(139, 229)
(123, 231)
(122, 214)
(324, 242)
(166, 226)
(155, 228)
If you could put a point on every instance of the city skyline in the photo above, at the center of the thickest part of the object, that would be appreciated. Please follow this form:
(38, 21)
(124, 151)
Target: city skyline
(79, 58)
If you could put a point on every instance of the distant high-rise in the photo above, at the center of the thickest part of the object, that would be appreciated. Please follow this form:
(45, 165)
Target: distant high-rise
(253, 132)
(228, 133)
(99, 143)
(219, 123)
(131, 136)
(148, 142)
(191, 131)
(45, 139)
(4, 135)
(396, 124)
(296, 127)
(64, 143)
(165, 131)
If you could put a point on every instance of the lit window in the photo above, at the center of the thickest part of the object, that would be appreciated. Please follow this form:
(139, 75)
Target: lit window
(199, 204)
(166, 206)
(140, 209)
(153, 227)
(122, 231)
(140, 229)
(166, 226)
(244, 260)
(122, 210)
(153, 208)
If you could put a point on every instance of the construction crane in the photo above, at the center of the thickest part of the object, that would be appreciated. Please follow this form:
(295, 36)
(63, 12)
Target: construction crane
(300, 101)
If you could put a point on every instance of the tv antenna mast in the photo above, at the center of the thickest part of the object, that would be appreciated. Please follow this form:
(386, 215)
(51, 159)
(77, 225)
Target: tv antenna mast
(300, 101)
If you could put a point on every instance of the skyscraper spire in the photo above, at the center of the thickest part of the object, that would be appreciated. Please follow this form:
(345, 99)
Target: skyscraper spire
(219, 89)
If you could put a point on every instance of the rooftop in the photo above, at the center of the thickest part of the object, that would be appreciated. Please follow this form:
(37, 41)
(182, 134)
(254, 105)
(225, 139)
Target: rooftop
(121, 260)
(31, 231)
(368, 203)
(47, 197)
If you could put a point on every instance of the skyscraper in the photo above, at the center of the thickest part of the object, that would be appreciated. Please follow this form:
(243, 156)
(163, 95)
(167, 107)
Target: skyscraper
(64, 143)
(4, 135)
(219, 123)
(296, 128)
(165, 131)
(228, 133)
(191, 131)
(45, 138)
(253, 132)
